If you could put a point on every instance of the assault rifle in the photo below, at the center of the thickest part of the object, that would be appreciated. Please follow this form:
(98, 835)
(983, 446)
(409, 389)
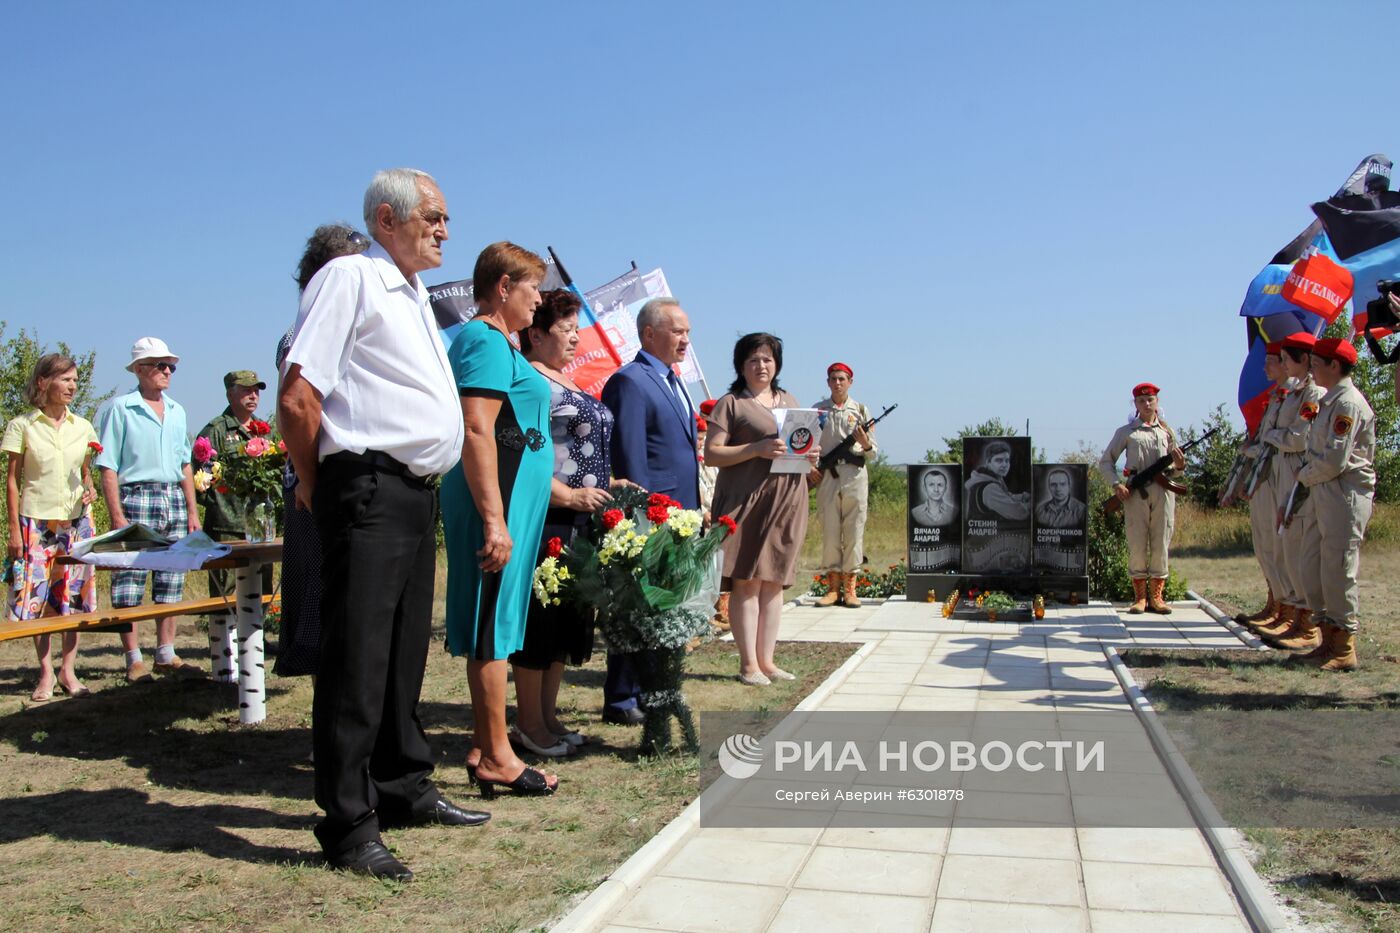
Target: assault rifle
(1154, 473)
(839, 453)
(1296, 498)
(1238, 474)
(1261, 466)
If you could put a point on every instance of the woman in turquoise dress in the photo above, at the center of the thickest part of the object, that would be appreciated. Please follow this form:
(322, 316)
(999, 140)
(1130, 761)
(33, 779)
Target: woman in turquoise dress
(497, 496)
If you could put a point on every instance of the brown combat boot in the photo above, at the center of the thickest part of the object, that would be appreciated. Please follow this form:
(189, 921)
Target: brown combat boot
(833, 589)
(1139, 605)
(1341, 650)
(1303, 636)
(1282, 625)
(848, 594)
(1270, 608)
(1319, 655)
(1154, 597)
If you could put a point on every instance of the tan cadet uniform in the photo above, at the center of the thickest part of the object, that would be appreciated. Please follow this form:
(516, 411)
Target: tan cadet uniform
(1263, 507)
(1149, 521)
(841, 500)
(1290, 436)
(1341, 480)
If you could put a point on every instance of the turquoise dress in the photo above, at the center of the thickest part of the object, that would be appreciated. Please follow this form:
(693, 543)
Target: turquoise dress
(486, 611)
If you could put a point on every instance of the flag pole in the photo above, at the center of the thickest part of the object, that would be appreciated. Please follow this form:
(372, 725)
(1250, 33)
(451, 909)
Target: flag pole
(569, 284)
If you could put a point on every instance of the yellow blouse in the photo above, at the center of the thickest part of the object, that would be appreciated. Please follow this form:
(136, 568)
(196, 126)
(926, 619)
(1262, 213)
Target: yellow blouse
(51, 465)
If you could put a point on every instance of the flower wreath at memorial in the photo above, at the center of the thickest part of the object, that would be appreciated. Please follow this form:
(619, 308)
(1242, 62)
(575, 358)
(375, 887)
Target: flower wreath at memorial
(650, 571)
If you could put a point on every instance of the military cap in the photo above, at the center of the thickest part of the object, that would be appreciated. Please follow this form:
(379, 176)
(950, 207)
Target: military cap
(1335, 349)
(1145, 388)
(243, 377)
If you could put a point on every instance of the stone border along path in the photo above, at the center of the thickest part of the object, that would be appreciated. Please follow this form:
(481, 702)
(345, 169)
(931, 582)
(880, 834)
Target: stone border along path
(967, 877)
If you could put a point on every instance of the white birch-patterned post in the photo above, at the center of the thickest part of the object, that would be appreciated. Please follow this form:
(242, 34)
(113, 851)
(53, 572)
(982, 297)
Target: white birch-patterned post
(222, 626)
(252, 698)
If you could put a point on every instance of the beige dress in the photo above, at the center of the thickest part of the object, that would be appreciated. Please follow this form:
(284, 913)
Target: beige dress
(771, 508)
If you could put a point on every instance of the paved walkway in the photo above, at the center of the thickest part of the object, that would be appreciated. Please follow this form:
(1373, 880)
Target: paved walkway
(983, 872)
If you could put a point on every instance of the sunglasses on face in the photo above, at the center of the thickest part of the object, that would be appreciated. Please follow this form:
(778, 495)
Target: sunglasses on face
(162, 366)
(356, 238)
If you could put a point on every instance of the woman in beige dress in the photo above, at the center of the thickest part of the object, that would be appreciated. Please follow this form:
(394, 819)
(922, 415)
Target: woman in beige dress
(760, 559)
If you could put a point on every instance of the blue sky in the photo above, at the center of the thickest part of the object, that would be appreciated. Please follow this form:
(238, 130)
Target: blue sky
(1015, 210)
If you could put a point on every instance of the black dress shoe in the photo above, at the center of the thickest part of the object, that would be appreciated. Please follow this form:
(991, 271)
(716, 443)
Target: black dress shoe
(445, 813)
(625, 717)
(371, 858)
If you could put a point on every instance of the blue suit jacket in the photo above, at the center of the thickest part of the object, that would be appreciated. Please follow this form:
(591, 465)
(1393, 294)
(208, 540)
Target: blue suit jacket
(653, 440)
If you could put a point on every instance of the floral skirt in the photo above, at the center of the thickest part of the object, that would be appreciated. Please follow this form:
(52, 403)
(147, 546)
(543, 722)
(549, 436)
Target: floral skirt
(39, 582)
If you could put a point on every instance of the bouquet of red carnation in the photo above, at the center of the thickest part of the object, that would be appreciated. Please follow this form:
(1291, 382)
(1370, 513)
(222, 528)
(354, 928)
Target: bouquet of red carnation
(650, 571)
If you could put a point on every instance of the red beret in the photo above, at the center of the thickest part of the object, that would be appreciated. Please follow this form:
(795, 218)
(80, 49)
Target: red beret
(1300, 341)
(1145, 388)
(1274, 348)
(1335, 349)
(843, 367)
(707, 406)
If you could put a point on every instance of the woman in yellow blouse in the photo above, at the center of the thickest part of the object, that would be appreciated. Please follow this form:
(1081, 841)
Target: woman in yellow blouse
(50, 492)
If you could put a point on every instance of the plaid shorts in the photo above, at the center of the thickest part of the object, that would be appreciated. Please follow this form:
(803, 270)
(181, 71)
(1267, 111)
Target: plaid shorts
(161, 508)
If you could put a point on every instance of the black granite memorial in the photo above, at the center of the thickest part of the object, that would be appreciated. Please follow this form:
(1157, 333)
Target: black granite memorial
(1061, 519)
(998, 522)
(935, 518)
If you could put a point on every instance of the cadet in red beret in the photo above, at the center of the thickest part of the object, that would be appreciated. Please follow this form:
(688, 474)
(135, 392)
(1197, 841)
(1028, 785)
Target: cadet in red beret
(842, 499)
(1340, 475)
(1290, 619)
(1150, 514)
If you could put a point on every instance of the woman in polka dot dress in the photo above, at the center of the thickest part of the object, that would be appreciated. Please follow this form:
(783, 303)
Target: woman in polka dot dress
(582, 428)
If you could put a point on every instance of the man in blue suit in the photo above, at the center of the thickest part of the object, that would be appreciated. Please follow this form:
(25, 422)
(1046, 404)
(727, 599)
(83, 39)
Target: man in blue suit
(653, 445)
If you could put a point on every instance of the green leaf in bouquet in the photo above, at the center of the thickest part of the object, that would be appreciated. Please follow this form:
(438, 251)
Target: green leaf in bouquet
(660, 598)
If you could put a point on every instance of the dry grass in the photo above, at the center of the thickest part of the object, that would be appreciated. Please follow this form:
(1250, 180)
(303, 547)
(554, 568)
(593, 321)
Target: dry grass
(151, 808)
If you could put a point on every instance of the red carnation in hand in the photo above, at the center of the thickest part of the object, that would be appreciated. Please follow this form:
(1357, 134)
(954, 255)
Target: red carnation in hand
(94, 447)
(658, 498)
(729, 524)
(657, 514)
(611, 517)
(259, 428)
(553, 547)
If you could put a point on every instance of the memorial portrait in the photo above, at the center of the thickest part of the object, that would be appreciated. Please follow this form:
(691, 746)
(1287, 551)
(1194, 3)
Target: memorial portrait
(935, 531)
(1061, 518)
(997, 505)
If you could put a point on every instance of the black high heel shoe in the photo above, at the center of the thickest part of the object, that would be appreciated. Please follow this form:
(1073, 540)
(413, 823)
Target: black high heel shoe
(530, 783)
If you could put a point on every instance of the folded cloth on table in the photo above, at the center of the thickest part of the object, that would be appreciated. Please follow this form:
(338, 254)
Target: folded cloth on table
(188, 553)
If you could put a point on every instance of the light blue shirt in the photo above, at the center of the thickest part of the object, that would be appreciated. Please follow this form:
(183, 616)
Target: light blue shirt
(140, 447)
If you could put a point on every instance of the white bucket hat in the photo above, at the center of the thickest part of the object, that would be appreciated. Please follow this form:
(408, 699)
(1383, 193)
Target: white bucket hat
(149, 348)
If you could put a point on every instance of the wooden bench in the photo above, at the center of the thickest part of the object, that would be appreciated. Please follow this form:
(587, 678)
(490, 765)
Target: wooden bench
(83, 621)
(235, 649)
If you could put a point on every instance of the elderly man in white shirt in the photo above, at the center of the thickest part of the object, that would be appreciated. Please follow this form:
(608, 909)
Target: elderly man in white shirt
(370, 414)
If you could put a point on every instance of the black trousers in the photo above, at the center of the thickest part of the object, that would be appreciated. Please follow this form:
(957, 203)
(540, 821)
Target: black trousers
(372, 758)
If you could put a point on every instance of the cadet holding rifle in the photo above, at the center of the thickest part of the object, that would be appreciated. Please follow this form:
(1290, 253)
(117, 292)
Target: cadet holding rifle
(1341, 480)
(1149, 514)
(849, 442)
(841, 495)
(1289, 437)
(1259, 489)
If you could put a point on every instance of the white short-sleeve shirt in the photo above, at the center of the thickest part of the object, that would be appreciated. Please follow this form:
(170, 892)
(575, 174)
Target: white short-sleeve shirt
(367, 341)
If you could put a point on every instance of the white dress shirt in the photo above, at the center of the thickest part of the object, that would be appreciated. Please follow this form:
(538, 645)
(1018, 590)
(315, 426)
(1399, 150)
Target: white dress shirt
(367, 341)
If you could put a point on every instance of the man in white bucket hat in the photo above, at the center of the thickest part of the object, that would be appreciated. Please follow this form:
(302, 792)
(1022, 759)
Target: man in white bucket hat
(146, 478)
